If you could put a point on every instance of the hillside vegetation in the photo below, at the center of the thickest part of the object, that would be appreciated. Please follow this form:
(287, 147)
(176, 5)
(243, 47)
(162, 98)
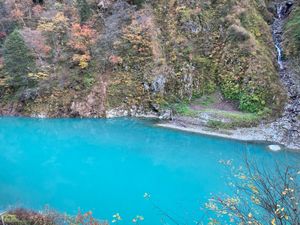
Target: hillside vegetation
(90, 57)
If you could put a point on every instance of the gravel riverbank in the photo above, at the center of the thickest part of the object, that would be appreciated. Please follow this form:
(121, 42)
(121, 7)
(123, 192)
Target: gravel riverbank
(264, 132)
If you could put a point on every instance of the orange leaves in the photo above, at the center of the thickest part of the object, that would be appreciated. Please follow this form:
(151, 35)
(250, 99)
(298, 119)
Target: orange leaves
(82, 38)
(17, 13)
(39, 76)
(83, 30)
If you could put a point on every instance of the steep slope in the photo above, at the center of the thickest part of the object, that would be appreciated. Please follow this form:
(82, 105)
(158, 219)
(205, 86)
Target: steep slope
(127, 59)
(189, 53)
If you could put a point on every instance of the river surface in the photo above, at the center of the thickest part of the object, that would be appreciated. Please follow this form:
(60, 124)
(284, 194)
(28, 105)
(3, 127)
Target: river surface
(108, 165)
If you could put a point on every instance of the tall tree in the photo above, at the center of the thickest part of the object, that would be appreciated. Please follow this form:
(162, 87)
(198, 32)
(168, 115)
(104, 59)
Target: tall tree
(18, 60)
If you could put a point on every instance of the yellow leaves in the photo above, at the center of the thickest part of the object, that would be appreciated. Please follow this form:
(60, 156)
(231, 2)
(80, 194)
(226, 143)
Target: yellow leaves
(60, 18)
(38, 75)
(243, 177)
(253, 188)
(3, 82)
(83, 64)
(280, 212)
(58, 22)
(82, 60)
(46, 26)
(180, 8)
(273, 222)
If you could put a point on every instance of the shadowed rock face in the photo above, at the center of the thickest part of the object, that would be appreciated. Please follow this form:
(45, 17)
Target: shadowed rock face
(284, 9)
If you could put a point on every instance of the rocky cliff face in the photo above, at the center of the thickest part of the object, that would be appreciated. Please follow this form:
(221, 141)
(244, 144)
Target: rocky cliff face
(143, 57)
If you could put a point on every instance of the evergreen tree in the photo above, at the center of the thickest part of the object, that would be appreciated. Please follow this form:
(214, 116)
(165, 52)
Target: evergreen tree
(84, 10)
(18, 60)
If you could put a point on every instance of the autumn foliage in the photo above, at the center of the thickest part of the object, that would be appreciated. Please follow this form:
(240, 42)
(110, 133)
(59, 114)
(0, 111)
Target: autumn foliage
(81, 39)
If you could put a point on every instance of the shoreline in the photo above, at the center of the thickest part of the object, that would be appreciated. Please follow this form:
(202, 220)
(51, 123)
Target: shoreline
(240, 134)
(271, 134)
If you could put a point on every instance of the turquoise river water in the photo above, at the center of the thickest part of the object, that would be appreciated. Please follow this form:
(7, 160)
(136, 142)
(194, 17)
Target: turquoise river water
(107, 165)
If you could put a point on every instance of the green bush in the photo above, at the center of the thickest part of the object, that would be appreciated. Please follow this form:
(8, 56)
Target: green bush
(18, 61)
(230, 87)
(250, 99)
(84, 10)
(252, 102)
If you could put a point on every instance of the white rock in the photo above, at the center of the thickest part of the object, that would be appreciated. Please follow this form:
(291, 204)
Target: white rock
(274, 148)
(40, 116)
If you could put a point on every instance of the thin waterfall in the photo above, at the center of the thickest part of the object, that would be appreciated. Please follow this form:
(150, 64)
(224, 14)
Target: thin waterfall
(288, 124)
(277, 35)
